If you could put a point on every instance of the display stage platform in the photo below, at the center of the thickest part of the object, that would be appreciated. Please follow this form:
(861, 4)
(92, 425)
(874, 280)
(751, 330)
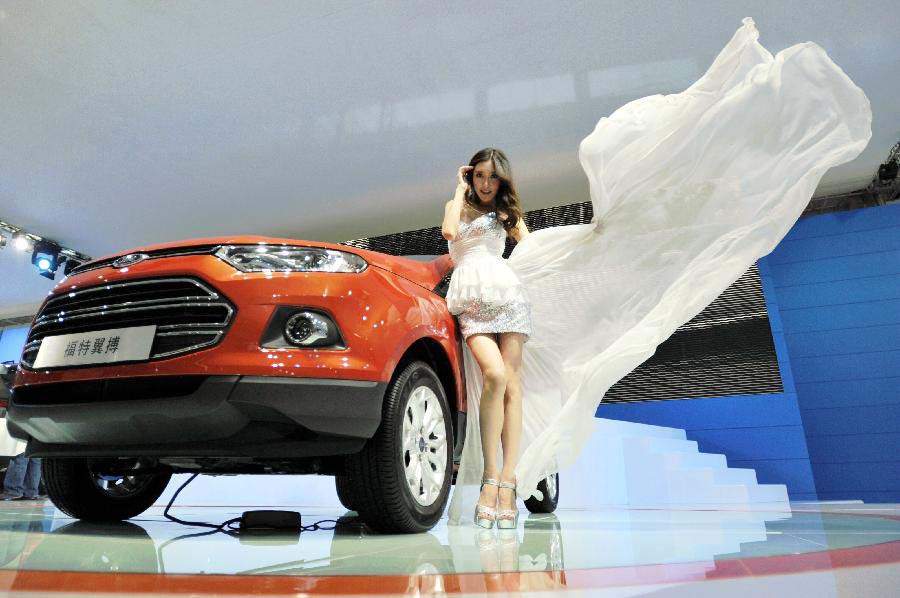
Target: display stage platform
(811, 549)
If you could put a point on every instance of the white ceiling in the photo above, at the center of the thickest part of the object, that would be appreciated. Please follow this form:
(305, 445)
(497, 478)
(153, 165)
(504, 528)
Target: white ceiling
(124, 123)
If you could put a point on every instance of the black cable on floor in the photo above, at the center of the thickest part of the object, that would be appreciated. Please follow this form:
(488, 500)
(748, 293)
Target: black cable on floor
(216, 528)
(227, 526)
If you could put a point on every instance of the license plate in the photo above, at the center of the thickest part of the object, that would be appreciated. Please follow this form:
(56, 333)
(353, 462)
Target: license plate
(98, 346)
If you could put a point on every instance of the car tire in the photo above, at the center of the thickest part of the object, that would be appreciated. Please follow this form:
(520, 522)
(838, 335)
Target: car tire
(549, 487)
(385, 500)
(344, 486)
(80, 492)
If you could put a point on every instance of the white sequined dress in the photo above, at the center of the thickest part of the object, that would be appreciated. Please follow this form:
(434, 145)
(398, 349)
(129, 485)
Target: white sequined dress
(484, 293)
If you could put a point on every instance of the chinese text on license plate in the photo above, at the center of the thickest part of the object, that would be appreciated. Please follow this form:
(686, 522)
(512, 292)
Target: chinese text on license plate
(99, 346)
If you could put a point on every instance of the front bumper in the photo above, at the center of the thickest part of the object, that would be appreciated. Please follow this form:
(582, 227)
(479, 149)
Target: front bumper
(201, 416)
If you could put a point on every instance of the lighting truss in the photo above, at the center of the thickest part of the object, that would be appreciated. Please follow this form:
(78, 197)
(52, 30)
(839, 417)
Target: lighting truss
(66, 254)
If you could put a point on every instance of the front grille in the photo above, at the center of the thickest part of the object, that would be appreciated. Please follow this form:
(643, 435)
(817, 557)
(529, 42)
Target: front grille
(151, 254)
(189, 315)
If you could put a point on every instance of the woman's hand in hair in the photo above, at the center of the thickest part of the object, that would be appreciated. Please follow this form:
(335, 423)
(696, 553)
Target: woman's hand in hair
(461, 176)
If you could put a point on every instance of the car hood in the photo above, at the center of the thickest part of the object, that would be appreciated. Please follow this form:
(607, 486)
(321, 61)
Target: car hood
(427, 274)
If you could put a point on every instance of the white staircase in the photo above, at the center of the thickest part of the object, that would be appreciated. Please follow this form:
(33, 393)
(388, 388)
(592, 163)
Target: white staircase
(638, 465)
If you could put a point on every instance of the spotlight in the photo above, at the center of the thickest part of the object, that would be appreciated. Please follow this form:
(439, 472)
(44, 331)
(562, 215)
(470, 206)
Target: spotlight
(21, 242)
(46, 257)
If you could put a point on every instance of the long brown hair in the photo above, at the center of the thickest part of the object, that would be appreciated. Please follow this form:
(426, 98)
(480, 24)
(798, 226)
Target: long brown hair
(506, 201)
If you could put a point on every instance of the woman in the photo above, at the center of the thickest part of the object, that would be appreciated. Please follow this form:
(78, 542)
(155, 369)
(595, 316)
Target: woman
(494, 317)
(688, 191)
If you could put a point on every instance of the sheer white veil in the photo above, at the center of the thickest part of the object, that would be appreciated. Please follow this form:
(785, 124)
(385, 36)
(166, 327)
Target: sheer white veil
(688, 191)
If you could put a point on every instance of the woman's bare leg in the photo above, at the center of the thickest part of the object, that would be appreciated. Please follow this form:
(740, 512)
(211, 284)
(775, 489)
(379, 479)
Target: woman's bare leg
(493, 371)
(511, 351)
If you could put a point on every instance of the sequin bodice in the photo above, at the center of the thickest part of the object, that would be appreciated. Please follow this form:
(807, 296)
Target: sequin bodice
(484, 235)
(480, 273)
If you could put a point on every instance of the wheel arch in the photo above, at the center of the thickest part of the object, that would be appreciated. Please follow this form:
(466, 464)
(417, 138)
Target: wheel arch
(431, 352)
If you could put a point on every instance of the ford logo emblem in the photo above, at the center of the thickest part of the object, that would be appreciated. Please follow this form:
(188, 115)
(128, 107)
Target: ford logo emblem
(129, 260)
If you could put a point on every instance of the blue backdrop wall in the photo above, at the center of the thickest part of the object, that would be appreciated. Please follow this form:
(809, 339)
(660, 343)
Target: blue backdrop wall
(12, 340)
(832, 289)
(837, 279)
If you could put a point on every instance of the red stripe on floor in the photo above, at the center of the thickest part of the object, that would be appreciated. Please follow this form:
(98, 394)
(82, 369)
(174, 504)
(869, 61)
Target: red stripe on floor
(100, 583)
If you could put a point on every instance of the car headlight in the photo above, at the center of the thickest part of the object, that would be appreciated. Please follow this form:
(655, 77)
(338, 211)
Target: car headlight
(287, 258)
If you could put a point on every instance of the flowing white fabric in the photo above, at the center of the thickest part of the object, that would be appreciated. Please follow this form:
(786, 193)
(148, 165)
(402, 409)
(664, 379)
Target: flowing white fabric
(688, 191)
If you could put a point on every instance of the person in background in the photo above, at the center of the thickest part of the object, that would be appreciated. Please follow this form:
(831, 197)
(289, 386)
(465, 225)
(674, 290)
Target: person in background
(23, 479)
(23, 474)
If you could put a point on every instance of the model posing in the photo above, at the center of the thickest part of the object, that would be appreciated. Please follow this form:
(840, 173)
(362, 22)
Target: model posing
(688, 190)
(494, 317)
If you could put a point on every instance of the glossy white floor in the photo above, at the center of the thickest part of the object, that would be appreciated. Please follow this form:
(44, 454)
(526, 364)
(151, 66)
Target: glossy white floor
(816, 549)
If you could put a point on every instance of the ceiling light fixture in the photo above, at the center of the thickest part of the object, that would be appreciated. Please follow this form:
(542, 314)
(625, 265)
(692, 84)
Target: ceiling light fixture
(21, 242)
(46, 258)
(47, 255)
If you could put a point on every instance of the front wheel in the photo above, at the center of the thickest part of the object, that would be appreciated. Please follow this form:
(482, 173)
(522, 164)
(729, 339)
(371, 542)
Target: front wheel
(81, 490)
(344, 487)
(401, 478)
(549, 487)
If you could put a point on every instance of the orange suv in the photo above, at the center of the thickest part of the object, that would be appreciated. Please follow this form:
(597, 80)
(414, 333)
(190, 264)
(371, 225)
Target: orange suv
(246, 355)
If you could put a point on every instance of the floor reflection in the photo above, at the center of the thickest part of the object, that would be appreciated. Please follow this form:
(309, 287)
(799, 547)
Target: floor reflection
(21, 529)
(121, 547)
(536, 556)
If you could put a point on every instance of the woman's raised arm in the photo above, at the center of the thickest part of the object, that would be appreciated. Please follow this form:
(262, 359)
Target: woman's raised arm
(453, 208)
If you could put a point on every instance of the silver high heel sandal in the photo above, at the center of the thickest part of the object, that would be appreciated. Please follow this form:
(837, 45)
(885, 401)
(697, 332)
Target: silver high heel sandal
(508, 518)
(485, 516)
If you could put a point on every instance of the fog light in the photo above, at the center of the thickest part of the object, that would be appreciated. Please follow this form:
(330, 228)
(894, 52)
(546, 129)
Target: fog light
(306, 328)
